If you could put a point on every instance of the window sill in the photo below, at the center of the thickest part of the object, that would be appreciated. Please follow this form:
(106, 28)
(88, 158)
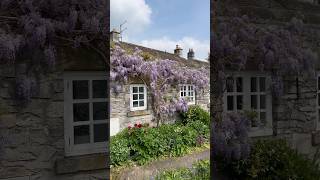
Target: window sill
(138, 113)
(260, 132)
(81, 163)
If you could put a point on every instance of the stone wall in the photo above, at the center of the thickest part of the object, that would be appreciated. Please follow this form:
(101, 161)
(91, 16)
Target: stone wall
(32, 137)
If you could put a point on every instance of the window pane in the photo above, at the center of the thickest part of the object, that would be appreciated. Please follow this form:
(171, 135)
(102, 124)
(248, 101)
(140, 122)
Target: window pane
(229, 84)
(262, 84)
(253, 84)
(185, 88)
(99, 110)
(135, 97)
(99, 88)
(319, 115)
(141, 103)
(262, 101)
(239, 102)
(239, 84)
(81, 134)
(100, 132)
(135, 89)
(319, 83)
(230, 103)
(191, 87)
(80, 89)
(319, 99)
(141, 96)
(80, 112)
(181, 94)
(135, 103)
(254, 101)
(141, 89)
(263, 118)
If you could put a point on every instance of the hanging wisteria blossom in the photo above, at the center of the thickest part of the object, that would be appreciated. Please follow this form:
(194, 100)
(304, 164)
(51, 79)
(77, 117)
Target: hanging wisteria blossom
(160, 75)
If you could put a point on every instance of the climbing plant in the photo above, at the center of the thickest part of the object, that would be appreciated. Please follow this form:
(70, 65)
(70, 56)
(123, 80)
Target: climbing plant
(159, 75)
(32, 31)
(241, 44)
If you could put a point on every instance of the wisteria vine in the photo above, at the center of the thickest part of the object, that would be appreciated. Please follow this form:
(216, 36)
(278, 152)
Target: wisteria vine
(241, 44)
(159, 75)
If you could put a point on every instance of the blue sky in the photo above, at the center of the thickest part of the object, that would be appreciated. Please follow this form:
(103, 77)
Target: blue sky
(161, 24)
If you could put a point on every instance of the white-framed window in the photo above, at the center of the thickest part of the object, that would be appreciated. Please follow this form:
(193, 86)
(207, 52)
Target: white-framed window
(85, 113)
(249, 92)
(138, 97)
(187, 92)
(318, 102)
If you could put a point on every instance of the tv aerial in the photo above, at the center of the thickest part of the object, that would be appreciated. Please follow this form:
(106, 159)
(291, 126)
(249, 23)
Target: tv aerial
(122, 30)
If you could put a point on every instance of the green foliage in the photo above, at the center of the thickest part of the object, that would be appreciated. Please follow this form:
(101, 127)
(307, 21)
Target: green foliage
(274, 159)
(145, 143)
(199, 171)
(195, 113)
(119, 149)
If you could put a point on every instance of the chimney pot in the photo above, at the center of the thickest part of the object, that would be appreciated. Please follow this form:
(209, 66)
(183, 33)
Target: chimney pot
(190, 54)
(115, 35)
(178, 51)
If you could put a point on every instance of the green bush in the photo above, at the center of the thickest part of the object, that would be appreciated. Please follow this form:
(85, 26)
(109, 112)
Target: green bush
(142, 144)
(274, 159)
(119, 149)
(199, 171)
(195, 113)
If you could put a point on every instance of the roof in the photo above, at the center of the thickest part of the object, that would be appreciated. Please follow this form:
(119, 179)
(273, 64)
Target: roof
(157, 54)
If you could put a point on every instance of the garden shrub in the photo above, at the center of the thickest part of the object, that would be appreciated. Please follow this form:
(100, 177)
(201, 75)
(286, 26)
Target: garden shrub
(195, 113)
(119, 150)
(275, 159)
(142, 143)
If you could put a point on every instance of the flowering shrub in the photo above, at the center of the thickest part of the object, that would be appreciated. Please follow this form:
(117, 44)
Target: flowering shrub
(143, 143)
(158, 75)
(230, 139)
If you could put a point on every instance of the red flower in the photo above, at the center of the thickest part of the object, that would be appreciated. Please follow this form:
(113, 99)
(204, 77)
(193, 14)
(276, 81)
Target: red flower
(139, 125)
(129, 127)
(135, 125)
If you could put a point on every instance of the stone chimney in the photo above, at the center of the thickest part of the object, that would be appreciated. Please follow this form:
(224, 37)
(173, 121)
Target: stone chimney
(178, 51)
(115, 35)
(190, 54)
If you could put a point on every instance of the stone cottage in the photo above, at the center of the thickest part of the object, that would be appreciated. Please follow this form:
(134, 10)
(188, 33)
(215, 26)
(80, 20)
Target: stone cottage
(295, 115)
(126, 107)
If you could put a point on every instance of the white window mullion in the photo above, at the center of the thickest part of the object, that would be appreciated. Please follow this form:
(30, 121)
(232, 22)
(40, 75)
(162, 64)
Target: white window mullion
(81, 148)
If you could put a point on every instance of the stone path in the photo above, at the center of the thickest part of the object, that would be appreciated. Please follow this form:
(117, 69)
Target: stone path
(152, 169)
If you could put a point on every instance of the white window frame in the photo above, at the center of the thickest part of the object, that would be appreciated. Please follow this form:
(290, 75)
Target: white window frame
(72, 149)
(145, 97)
(186, 90)
(317, 123)
(266, 130)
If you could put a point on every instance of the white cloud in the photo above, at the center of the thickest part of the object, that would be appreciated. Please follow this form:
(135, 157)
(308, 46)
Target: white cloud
(136, 12)
(200, 48)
